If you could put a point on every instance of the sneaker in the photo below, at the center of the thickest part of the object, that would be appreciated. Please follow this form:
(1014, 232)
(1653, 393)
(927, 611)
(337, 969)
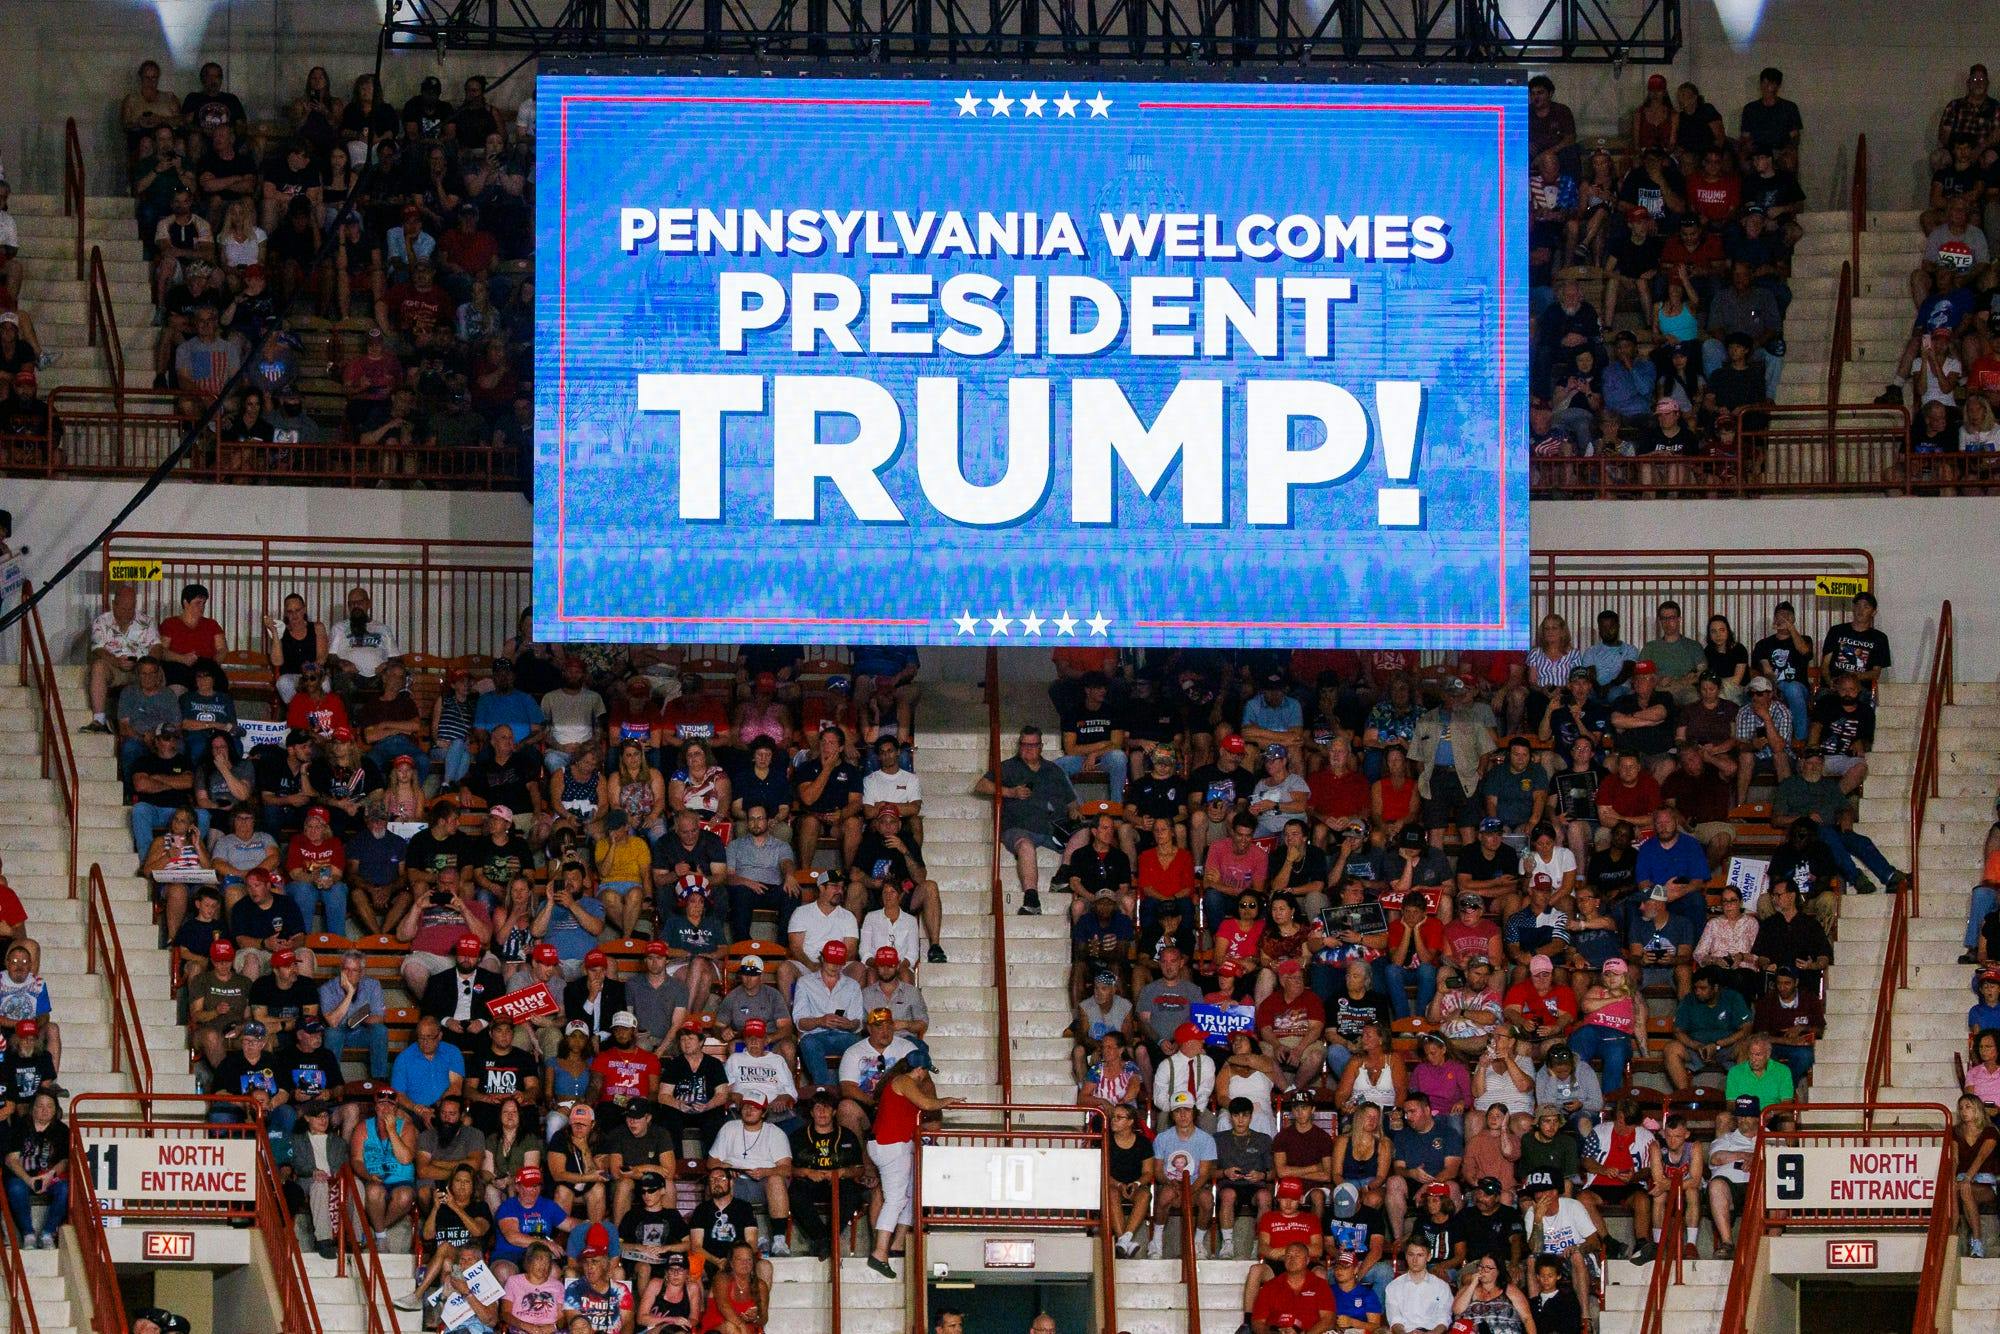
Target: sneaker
(1968, 957)
(1127, 1245)
(1031, 905)
(1614, 1249)
(46, 360)
(327, 1250)
(1863, 885)
(1156, 1248)
(1641, 1252)
(1975, 1248)
(31, 1242)
(95, 728)
(881, 1267)
(1226, 1248)
(1891, 397)
(780, 1248)
(410, 1301)
(936, 954)
(1724, 1251)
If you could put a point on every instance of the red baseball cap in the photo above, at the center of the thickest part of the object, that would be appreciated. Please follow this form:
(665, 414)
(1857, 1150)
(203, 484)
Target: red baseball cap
(596, 1241)
(528, 1175)
(318, 813)
(1291, 1188)
(834, 951)
(403, 762)
(1189, 1032)
(545, 953)
(284, 959)
(468, 947)
(27, 1028)
(1644, 667)
(343, 734)
(755, 1028)
(221, 950)
(597, 959)
(656, 949)
(1233, 744)
(886, 957)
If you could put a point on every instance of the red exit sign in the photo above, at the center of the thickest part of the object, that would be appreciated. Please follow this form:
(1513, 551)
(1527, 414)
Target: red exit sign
(168, 1246)
(1850, 1255)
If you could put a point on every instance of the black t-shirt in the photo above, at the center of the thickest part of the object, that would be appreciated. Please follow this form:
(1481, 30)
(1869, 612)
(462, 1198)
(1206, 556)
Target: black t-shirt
(429, 114)
(1210, 777)
(22, 1076)
(282, 1002)
(1635, 257)
(639, 1149)
(1724, 662)
(1152, 719)
(1567, 723)
(349, 782)
(1442, 1236)
(1787, 663)
(170, 766)
(693, 1086)
(238, 1074)
(1473, 861)
(1696, 133)
(487, 1073)
(646, 1227)
(1487, 1234)
(1656, 739)
(1846, 725)
(40, 1150)
(278, 171)
(207, 111)
(236, 162)
(1954, 182)
(309, 1074)
(454, 1225)
(825, 1153)
(1157, 798)
(1778, 190)
(1092, 726)
(1639, 188)
(876, 860)
(1812, 870)
(428, 852)
(1348, 1016)
(1129, 1164)
(508, 782)
(1614, 873)
(1738, 387)
(1106, 870)
(1770, 126)
(845, 782)
(275, 775)
(501, 861)
(669, 855)
(722, 1229)
(773, 658)
(1855, 650)
(1353, 1234)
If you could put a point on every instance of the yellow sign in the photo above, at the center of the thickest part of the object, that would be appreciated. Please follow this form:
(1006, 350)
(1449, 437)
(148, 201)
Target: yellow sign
(1839, 585)
(136, 572)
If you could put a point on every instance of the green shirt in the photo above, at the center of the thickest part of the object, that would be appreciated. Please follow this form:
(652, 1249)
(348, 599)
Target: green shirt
(1770, 1088)
(1796, 797)
(1679, 658)
(1714, 1021)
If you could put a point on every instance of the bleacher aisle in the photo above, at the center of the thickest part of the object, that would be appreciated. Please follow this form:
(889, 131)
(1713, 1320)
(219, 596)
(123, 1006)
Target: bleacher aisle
(59, 301)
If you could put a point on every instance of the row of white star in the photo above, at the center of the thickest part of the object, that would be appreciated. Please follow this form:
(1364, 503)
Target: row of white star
(1032, 104)
(1031, 624)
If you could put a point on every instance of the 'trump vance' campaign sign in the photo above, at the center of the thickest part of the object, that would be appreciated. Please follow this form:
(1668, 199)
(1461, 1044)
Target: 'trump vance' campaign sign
(1030, 361)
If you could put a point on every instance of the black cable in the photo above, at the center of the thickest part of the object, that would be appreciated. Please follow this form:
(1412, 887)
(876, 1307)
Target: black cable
(194, 433)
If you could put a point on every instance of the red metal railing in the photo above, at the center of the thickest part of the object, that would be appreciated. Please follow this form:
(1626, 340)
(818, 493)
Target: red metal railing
(356, 1242)
(1842, 349)
(1757, 1221)
(73, 186)
(269, 1214)
(1857, 204)
(1879, 1072)
(38, 673)
(1097, 1137)
(104, 950)
(1666, 1263)
(100, 1273)
(1190, 1259)
(103, 323)
(21, 1317)
(998, 889)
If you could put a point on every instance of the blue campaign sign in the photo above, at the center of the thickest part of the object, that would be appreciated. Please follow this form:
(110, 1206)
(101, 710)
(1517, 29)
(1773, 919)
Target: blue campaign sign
(1030, 362)
(1219, 1021)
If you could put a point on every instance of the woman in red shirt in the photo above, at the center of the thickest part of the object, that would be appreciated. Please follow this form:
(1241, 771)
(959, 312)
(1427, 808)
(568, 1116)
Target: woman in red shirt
(902, 1098)
(1395, 797)
(188, 637)
(1165, 871)
(1238, 937)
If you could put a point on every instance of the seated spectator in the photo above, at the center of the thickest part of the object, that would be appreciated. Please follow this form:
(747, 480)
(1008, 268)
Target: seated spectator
(218, 1002)
(1035, 794)
(828, 795)
(120, 640)
(1793, 1019)
(435, 921)
(178, 849)
(262, 923)
(162, 784)
(1185, 1155)
(1788, 937)
(36, 1150)
(315, 865)
(595, 997)
(526, 1228)
(887, 853)
(694, 1092)
(1710, 1025)
(1729, 943)
(378, 891)
(459, 997)
(1758, 1076)
(759, 1158)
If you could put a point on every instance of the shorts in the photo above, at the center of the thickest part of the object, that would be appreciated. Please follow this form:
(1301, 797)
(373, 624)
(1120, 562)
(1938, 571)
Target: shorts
(1009, 837)
(1708, 831)
(1448, 806)
(1612, 1193)
(749, 1191)
(1244, 1194)
(1839, 765)
(1737, 1190)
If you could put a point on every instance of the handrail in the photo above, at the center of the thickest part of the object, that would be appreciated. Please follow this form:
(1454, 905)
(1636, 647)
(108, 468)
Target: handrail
(1938, 1240)
(997, 888)
(21, 1318)
(1190, 1263)
(1749, 1242)
(1857, 203)
(58, 755)
(833, 1239)
(73, 186)
(1880, 1069)
(1842, 348)
(102, 319)
(101, 945)
(350, 1239)
(100, 1274)
(1666, 1263)
(281, 1244)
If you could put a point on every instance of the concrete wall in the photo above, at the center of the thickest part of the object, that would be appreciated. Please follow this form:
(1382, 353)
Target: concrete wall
(1852, 66)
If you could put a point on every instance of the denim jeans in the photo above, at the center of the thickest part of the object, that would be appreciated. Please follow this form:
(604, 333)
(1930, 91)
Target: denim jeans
(1616, 1048)
(1847, 848)
(1337, 1060)
(457, 758)
(743, 902)
(1984, 900)
(1796, 1058)
(1394, 979)
(1111, 761)
(148, 820)
(385, 751)
(18, 1202)
(820, 1051)
(1793, 694)
(332, 901)
(375, 1037)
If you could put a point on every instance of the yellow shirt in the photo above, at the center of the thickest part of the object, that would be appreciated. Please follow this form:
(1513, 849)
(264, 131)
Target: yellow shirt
(628, 861)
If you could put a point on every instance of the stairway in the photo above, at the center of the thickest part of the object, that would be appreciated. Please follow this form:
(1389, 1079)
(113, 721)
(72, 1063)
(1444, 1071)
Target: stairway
(1152, 1299)
(1976, 1301)
(54, 1313)
(59, 301)
(1890, 248)
(1930, 1013)
(1694, 1304)
(801, 1291)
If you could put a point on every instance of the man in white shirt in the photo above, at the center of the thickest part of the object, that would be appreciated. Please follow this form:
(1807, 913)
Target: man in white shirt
(1729, 1157)
(357, 647)
(760, 1156)
(1558, 1225)
(576, 715)
(118, 639)
(827, 1010)
(1417, 1301)
(758, 1074)
(863, 1065)
(815, 926)
(892, 783)
(1189, 1069)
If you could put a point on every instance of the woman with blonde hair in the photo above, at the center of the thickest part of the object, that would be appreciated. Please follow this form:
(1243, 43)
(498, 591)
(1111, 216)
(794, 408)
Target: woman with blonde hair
(636, 788)
(1978, 1142)
(240, 243)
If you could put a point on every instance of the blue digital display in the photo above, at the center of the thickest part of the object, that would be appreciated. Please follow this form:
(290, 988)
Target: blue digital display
(1030, 362)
